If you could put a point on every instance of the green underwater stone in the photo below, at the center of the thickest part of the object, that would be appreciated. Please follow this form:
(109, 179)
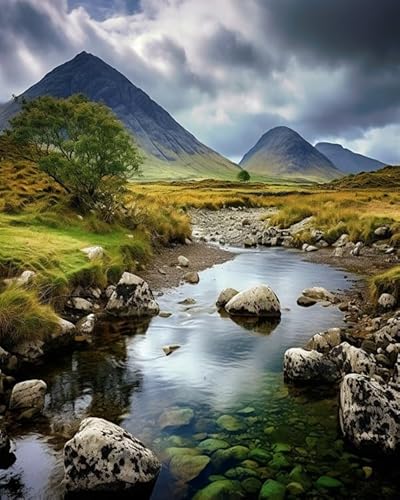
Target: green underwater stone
(230, 423)
(259, 455)
(251, 485)
(328, 482)
(272, 490)
(221, 490)
(210, 445)
(279, 461)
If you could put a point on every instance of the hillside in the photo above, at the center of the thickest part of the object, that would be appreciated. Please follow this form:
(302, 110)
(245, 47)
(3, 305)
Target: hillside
(170, 151)
(346, 160)
(388, 177)
(283, 153)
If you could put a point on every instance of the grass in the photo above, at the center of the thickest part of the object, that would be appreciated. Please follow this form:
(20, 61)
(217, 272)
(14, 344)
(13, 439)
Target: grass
(23, 317)
(387, 282)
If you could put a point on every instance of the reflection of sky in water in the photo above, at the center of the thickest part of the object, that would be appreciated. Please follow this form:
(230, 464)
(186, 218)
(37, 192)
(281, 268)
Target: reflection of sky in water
(219, 359)
(218, 365)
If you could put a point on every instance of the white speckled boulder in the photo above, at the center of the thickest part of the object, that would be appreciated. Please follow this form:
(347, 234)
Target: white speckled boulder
(104, 457)
(28, 395)
(369, 414)
(225, 296)
(352, 359)
(304, 366)
(258, 301)
(132, 297)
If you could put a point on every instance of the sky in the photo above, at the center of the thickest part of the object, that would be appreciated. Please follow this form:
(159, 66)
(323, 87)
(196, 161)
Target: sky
(229, 70)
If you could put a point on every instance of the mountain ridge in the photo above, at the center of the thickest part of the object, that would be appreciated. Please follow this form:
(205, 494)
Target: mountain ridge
(169, 149)
(346, 160)
(283, 152)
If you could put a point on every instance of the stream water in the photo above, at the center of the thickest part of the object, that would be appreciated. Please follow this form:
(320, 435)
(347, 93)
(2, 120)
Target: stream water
(221, 395)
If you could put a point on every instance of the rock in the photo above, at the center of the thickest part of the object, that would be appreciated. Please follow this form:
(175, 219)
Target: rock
(66, 327)
(368, 471)
(351, 359)
(164, 314)
(109, 291)
(86, 325)
(383, 232)
(225, 296)
(230, 423)
(221, 490)
(369, 414)
(183, 261)
(300, 365)
(132, 297)
(305, 301)
(28, 395)
(191, 277)
(80, 304)
(328, 483)
(5, 444)
(356, 252)
(251, 485)
(104, 457)
(187, 302)
(259, 455)
(387, 301)
(25, 278)
(272, 490)
(236, 453)
(319, 293)
(211, 444)
(309, 248)
(342, 241)
(323, 342)
(295, 489)
(188, 241)
(338, 252)
(187, 467)
(249, 243)
(29, 350)
(175, 417)
(95, 252)
(259, 301)
(169, 349)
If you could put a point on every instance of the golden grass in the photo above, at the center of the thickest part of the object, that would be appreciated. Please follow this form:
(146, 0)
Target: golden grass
(387, 282)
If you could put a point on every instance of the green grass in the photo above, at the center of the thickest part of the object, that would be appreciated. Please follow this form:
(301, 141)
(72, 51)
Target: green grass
(387, 282)
(23, 317)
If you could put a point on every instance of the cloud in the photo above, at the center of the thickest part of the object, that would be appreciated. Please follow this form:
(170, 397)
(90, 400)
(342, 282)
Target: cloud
(329, 69)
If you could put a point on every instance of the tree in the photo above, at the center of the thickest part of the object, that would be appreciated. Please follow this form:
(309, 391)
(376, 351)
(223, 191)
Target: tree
(243, 176)
(80, 144)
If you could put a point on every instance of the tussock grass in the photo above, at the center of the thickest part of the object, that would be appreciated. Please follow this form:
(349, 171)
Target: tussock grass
(23, 317)
(387, 282)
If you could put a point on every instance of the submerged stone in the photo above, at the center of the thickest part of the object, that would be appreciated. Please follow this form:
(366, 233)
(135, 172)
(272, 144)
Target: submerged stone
(221, 490)
(235, 454)
(251, 485)
(259, 455)
(210, 445)
(328, 482)
(295, 489)
(230, 423)
(188, 467)
(279, 461)
(272, 490)
(175, 417)
(240, 473)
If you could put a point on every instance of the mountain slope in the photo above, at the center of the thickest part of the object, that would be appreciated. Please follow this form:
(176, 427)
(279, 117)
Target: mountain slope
(346, 160)
(282, 152)
(170, 150)
(384, 178)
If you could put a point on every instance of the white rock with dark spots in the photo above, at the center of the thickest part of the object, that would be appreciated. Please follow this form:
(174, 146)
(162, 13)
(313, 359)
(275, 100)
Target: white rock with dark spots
(104, 457)
(369, 414)
(260, 301)
(28, 395)
(225, 296)
(300, 365)
(132, 297)
(86, 325)
(351, 359)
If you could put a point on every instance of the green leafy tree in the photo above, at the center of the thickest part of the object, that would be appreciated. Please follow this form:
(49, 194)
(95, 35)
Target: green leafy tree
(243, 176)
(81, 145)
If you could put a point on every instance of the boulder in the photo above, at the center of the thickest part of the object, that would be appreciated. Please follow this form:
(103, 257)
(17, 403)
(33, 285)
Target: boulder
(66, 327)
(338, 252)
(356, 252)
(319, 293)
(302, 366)
(309, 248)
(175, 417)
(132, 297)
(225, 296)
(259, 301)
(183, 261)
(85, 326)
(306, 301)
(342, 241)
(387, 301)
(95, 252)
(80, 304)
(187, 467)
(104, 457)
(28, 397)
(369, 414)
(191, 277)
(383, 232)
(324, 341)
(351, 359)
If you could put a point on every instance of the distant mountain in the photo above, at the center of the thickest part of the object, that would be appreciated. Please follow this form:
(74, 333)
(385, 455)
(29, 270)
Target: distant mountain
(170, 150)
(283, 153)
(346, 160)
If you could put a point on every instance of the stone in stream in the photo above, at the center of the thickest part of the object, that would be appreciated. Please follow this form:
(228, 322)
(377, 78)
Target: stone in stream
(306, 301)
(272, 490)
(175, 417)
(220, 490)
(132, 297)
(386, 301)
(369, 414)
(351, 359)
(169, 349)
(230, 423)
(191, 277)
(104, 457)
(187, 467)
(323, 342)
(301, 366)
(225, 296)
(5, 444)
(259, 301)
(27, 398)
(319, 293)
(85, 326)
(212, 444)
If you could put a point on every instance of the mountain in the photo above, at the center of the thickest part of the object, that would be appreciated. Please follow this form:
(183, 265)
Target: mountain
(283, 153)
(170, 151)
(346, 160)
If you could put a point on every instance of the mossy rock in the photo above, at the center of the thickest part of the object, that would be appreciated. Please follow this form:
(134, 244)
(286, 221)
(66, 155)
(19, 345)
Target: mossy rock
(251, 485)
(328, 483)
(230, 423)
(221, 490)
(295, 489)
(175, 451)
(282, 448)
(210, 445)
(238, 453)
(298, 475)
(272, 490)
(240, 473)
(175, 417)
(279, 461)
(188, 467)
(246, 411)
(259, 455)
